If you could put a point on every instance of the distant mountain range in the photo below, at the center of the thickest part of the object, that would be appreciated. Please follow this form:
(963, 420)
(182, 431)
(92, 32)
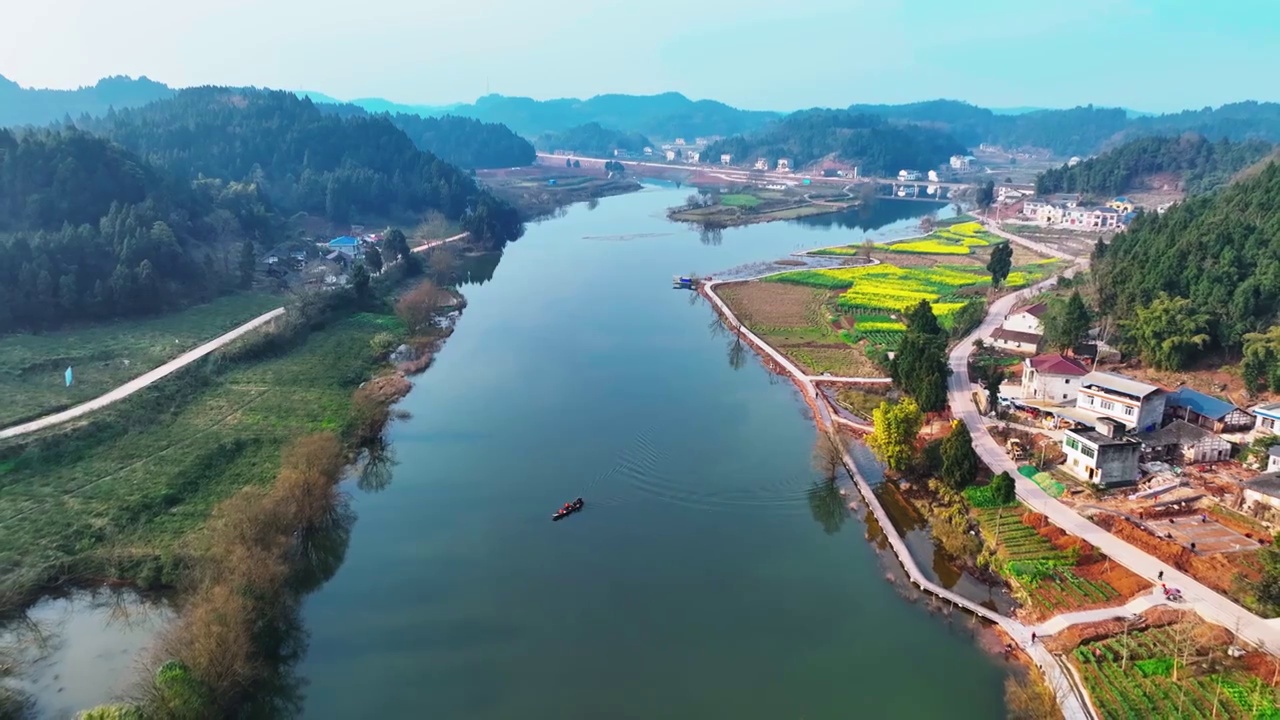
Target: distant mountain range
(1075, 131)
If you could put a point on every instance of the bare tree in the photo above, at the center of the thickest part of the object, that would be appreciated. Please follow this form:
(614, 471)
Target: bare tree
(828, 457)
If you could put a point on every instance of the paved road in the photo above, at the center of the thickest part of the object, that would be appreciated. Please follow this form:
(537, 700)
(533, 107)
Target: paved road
(141, 381)
(1209, 604)
(437, 243)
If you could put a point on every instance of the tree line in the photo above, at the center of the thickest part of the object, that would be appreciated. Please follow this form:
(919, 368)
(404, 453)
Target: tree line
(1203, 165)
(1204, 275)
(90, 231)
(869, 141)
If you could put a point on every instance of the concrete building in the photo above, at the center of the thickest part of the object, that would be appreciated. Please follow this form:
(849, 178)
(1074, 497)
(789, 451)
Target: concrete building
(1102, 456)
(1182, 443)
(671, 155)
(692, 156)
(1122, 205)
(762, 164)
(1266, 419)
(1135, 404)
(962, 163)
(1095, 218)
(1052, 377)
(907, 175)
(1262, 492)
(725, 159)
(1206, 411)
(784, 165)
(1273, 458)
(347, 245)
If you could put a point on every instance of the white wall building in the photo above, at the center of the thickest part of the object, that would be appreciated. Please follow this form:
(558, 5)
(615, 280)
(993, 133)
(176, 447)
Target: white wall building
(1101, 456)
(1052, 377)
(1026, 319)
(1135, 404)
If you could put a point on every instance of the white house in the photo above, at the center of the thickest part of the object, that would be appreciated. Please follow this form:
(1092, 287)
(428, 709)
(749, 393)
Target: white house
(1273, 458)
(762, 164)
(1022, 343)
(784, 165)
(1043, 211)
(725, 159)
(671, 155)
(1092, 217)
(1052, 377)
(1102, 456)
(1026, 318)
(692, 156)
(1266, 419)
(905, 175)
(961, 163)
(1133, 403)
(933, 176)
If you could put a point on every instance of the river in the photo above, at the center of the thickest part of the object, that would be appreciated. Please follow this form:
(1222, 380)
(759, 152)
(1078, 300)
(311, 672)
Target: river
(696, 583)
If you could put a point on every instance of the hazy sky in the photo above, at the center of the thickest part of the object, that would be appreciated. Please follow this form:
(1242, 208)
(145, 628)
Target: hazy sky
(1153, 55)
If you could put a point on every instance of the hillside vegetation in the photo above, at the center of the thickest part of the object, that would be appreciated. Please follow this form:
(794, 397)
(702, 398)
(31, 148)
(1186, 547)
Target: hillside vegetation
(30, 106)
(1203, 165)
(1220, 252)
(462, 141)
(593, 139)
(1083, 130)
(90, 231)
(869, 141)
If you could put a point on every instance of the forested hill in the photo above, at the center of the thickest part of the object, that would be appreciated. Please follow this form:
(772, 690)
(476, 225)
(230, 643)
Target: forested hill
(90, 231)
(29, 106)
(348, 169)
(869, 141)
(1221, 251)
(1201, 165)
(665, 116)
(462, 141)
(593, 139)
(1082, 130)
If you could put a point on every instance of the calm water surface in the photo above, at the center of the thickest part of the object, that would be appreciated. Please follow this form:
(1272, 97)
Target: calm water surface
(695, 584)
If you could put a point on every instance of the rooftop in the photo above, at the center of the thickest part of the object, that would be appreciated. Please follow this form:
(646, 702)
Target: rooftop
(1178, 432)
(1093, 437)
(1270, 409)
(1119, 383)
(1274, 451)
(1266, 483)
(1035, 310)
(344, 241)
(1015, 336)
(1057, 364)
(1206, 405)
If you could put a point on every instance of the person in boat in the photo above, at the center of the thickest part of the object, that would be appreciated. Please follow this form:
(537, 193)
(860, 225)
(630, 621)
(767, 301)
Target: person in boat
(578, 503)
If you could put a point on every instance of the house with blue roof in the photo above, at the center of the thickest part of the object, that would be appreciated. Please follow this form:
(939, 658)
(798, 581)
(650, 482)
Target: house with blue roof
(346, 245)
(1206, 411)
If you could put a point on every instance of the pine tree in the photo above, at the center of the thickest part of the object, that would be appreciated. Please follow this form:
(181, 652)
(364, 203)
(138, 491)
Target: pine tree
(959, 461)
(1000, 264)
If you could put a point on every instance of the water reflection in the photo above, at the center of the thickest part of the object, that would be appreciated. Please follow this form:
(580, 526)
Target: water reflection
(827, 506)
(378, 467)
(737, 353)
(869, 216)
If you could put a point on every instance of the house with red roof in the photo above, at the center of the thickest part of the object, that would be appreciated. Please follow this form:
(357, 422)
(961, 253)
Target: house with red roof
(1021, 331)
(1052, 378)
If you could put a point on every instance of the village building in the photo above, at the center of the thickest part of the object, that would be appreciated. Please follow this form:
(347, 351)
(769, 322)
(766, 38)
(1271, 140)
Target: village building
(725, 159)
(1102, 456)
(962, 163)
(1273, 458)
(671, 155)
(1122, 205)
(762, 164)
(692, 156)
(1052, 377)
(906, 175)
(1135, 404)
(346, 245)
(1095, 218)
(1206, 411)
(784, 165)
(1262, 492)
(1014, 341)
(1266, 419)
(1182, 443)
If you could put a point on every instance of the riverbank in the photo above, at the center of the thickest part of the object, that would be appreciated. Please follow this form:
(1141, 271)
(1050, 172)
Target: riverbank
(540, 190)
(126, 494)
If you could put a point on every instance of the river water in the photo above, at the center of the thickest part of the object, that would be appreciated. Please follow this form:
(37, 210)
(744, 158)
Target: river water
(695, 584)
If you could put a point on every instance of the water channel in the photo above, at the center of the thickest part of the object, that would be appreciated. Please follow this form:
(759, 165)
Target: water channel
(695, 584)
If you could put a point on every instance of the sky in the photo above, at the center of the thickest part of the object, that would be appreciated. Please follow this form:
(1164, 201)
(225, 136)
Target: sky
(1151, 55)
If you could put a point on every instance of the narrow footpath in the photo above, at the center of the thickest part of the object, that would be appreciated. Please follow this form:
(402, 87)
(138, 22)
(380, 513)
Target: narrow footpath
(141, 381)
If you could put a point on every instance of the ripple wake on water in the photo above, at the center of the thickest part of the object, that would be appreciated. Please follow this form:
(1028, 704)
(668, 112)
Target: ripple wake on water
(643, 471)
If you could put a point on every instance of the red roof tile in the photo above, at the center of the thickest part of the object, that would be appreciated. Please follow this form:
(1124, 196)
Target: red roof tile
(1036, 310)
(1058, 364)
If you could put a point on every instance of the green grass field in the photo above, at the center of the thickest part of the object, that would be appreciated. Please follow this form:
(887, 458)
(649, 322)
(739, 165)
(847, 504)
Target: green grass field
(740, 200)
(107, 355)
(121, 496)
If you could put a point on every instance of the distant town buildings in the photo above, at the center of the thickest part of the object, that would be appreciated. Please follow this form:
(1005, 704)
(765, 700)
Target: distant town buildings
(648, 151)
(671, 155)
(784, 165)
(962, 163)
(680, 141)
(692, 156)
(726, 159)
(908, 175)
(762, 164)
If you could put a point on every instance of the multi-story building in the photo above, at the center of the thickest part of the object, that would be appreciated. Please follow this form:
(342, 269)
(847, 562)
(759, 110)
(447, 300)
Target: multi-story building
(1052, 377)
(1102, 456)
(1135, 404)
